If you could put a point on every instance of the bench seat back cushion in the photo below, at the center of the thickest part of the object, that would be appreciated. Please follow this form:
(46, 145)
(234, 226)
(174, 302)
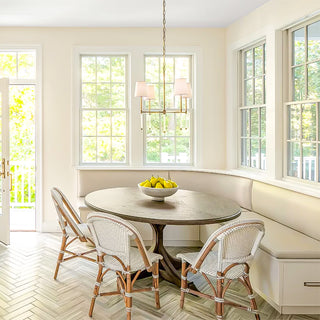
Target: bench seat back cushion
(295, 210)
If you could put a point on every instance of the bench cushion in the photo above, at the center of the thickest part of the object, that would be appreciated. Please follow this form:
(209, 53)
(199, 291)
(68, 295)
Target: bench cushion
(283, 242)
(293, 209)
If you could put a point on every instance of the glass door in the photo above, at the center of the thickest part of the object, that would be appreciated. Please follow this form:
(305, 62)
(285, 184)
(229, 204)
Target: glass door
(5, 167)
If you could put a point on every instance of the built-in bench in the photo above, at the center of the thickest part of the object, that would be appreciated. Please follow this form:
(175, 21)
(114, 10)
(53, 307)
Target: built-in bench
(286, 271)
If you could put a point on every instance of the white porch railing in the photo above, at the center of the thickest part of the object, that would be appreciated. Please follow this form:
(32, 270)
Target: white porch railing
(23, 184)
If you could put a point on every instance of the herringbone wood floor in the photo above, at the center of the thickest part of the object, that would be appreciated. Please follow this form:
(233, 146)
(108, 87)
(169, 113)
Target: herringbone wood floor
(28, 291)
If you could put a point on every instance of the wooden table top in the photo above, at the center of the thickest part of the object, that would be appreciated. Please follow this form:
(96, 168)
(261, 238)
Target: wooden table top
(183, 208)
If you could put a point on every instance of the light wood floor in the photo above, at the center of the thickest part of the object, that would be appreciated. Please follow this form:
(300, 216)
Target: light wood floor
(28, 291)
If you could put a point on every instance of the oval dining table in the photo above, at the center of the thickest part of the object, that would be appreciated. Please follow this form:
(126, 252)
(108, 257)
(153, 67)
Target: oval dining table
(183, 208)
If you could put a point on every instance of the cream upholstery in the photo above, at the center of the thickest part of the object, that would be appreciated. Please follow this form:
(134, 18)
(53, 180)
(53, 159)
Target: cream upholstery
(295, 210)
(285, 243)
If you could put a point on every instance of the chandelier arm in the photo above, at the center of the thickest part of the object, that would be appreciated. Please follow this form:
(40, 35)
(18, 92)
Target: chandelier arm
(164, 54)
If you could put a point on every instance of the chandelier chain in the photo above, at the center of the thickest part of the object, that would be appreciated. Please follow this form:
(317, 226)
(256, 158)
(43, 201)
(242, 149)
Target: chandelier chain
(164, 55)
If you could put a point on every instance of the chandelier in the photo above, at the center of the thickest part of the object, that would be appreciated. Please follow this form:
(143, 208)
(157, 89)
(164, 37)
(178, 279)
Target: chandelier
(181, 88)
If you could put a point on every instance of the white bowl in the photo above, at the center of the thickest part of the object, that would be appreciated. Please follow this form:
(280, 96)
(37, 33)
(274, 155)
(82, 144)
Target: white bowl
(158, 194)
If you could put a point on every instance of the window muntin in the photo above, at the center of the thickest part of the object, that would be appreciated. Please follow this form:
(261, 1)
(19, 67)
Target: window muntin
(104, 111)
(253, 108)
(302, 111)
(168, 138)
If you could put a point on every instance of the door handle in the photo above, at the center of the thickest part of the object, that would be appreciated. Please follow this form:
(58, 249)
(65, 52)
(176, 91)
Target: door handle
(3, 168)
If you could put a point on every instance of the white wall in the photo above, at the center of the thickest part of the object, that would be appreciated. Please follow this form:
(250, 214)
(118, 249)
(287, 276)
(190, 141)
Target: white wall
(57, 49)
(265, 22)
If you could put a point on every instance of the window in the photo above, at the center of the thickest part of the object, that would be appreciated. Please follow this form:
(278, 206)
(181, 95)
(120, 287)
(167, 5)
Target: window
(104, 111)
(304, 108)
(168, 138)
(253, 108)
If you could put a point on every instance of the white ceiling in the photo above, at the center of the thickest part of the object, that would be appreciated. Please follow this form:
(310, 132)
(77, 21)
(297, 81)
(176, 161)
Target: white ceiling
(123, 13)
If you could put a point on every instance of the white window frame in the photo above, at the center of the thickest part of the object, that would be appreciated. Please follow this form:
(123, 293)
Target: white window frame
(291, 101)
(242, 106)
(190, 112)
(135, 139)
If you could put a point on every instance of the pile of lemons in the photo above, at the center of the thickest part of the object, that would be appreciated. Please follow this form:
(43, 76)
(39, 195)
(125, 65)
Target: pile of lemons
(158, 183)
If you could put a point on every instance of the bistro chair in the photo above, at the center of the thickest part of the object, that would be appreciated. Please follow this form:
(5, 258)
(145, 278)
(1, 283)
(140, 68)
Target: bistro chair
(112, 237)
(237, 244)
(72, 227)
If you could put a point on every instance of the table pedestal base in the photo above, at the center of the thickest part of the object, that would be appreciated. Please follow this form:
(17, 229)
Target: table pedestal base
(169, 266)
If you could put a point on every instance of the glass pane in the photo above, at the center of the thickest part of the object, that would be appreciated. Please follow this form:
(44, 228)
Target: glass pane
(152, 69)
(88, 67)
(89, 149)
(167, 151)
(89, 123)
(294, 122)
(248, 64)
(168, 125)
(182, 68)
(103, 69)
(314, 41)
(104, 123)
(314, 80)
(153, 124)
(183, 150)
(309, 122)
(298, 83)
(255, 153)
(169, 69)
(263, 122)
(169, 95)
(118, 96)
(248, 95)
(153, 150)
(245, 123)
(8, 65)
(254, 119)
(118, 69)
(119, 150)
(118, 123)
(263, 158)
(104, 149)
(89, 95)
(103, 96)
(309, 161)
(298, 42)
(258, 61)
(183, 124)
(26, 65)
(258, 93)
(155, 104)
(245, 152)
(294, 159)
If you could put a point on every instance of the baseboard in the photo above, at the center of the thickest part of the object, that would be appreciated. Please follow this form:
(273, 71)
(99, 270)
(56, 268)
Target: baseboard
(300, 310)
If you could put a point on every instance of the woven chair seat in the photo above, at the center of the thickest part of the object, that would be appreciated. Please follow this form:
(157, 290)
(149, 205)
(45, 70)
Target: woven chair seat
(136, 261)
(210, 265)
(83, 228)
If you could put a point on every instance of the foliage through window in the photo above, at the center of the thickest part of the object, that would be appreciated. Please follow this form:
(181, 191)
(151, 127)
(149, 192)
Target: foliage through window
(253, 108)
(168, 138)
(303, 109)
(103, 109)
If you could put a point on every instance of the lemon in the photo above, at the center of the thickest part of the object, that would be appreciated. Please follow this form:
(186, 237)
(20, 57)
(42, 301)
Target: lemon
(153, 181)
(143, 182)
(174, 185)
(159, 186)
(147, 184)
(161, 180)
(167, 184)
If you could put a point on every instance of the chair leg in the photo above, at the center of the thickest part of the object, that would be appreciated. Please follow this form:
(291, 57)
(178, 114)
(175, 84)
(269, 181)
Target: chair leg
(219, 297)
(253, 302)
(128, 295)
(61, 254)
(155, 276)
(184, 283)
(97, 286)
